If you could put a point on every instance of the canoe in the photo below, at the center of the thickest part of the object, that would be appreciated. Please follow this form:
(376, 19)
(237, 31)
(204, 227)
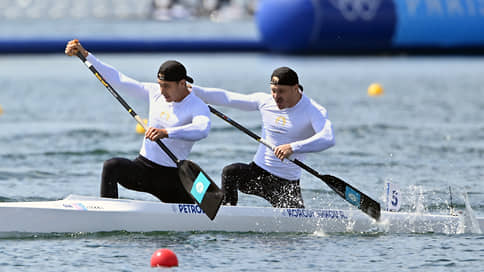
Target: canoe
(94, 214)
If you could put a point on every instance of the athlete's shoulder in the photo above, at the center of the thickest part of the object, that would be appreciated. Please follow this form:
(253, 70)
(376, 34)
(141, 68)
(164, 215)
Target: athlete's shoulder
(261, 98)
(153, 90)
(193, 101)
(316, 108)
(151, 87)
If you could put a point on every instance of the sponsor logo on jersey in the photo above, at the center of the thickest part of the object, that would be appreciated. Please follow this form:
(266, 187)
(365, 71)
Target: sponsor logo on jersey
(165, 115)
(281, 120)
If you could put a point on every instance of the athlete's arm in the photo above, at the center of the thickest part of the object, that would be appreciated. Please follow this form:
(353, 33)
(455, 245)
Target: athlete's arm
(323, 137)
(215, 96)
(119, 81)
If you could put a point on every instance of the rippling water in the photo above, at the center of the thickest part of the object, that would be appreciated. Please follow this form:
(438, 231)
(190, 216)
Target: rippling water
(425, 134)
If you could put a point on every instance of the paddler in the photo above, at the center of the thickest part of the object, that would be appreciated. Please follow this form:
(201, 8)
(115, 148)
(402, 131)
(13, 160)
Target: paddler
(292, 122)
(177, 117)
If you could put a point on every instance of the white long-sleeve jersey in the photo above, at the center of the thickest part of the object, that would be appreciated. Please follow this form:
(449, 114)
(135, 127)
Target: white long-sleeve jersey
(186, 121)
(304, 126)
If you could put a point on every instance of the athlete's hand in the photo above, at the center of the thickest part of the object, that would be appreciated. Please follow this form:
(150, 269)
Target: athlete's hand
(156, 133)
(283, 151)
(75, 46)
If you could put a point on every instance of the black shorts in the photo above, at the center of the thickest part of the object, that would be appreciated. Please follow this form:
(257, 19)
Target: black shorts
(251, 179)
(143, 175)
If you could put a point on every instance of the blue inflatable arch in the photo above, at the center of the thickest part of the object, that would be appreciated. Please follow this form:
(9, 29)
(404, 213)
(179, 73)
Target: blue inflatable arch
(370, 25)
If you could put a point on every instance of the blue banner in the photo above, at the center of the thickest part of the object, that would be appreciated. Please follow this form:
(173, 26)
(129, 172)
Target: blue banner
(440, 23)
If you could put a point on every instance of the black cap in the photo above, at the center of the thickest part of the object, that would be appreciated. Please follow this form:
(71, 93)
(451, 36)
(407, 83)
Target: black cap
(172, 70)
(286, 76)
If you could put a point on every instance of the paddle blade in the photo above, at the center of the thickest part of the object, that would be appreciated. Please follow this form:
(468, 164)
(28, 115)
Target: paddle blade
(200, 187)
(353, 195)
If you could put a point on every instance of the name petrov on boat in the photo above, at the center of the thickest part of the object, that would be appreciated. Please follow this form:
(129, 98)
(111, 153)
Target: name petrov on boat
(288, 212)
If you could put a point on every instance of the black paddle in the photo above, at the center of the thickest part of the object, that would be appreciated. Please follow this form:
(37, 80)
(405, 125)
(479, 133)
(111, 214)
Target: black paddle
(346, 191)
(195, 181)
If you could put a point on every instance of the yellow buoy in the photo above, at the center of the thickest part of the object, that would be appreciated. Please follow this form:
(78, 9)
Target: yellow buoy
(375, 89)
(139, 128)
(1, 110)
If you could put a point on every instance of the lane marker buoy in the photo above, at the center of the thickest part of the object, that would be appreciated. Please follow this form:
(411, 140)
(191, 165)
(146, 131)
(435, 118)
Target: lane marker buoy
(139, 128)
(375, 89)
(164, 257)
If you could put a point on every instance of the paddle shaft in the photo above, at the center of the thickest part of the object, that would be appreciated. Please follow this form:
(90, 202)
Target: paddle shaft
(125, 105)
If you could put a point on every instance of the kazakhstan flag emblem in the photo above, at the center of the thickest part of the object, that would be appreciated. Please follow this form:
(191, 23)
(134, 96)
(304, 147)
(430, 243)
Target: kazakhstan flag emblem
(200, 186)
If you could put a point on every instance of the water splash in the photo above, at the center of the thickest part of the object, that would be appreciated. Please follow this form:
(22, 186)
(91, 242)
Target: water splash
(418, 199)
(320, 233)
(471, 224)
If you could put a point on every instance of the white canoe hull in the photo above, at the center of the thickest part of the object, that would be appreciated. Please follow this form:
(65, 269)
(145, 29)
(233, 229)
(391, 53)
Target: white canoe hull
(91, 214)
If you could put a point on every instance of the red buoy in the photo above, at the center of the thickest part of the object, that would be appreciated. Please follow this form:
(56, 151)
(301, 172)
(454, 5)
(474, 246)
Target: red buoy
(164, 257)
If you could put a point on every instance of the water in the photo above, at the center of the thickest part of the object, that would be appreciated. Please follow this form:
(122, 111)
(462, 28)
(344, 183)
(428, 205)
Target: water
(425, 134)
